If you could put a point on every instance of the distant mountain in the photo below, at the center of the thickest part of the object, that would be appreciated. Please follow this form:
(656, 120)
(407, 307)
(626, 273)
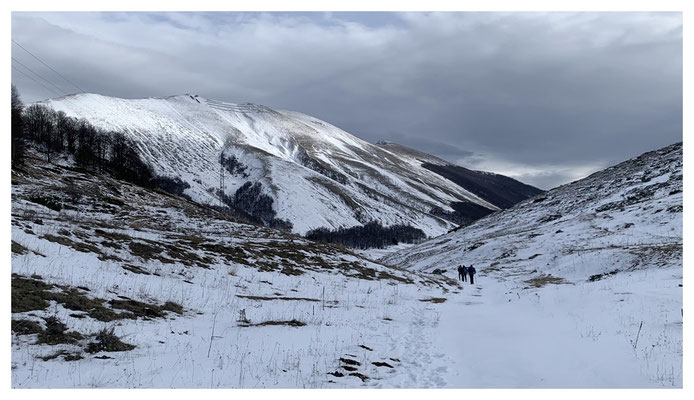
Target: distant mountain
(287, 169)
(625, 217)
(590, 269)
(499, 190)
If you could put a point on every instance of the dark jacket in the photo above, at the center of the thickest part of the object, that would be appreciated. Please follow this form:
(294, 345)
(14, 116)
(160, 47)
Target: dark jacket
(471, 270)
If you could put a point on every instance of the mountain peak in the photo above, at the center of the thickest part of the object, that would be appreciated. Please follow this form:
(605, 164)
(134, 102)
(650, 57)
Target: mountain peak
(303, 170)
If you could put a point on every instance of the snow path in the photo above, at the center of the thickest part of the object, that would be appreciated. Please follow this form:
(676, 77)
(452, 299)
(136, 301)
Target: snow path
(563, 336)
(421, 366)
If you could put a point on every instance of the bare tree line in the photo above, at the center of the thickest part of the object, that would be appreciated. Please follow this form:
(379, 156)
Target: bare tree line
(53, 133)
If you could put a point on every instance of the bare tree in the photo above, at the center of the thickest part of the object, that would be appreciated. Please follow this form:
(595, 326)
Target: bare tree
(40, 128)
(66, 128)
(17, 131)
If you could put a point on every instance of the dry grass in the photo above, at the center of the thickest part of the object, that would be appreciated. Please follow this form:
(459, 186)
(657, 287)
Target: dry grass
(545, 280)
(79, 246)
(56, 333)
(277, 298)
(25, 327)
(292, 322)
(435, 300)
(29, 294)
(18, 248)
(106, 340)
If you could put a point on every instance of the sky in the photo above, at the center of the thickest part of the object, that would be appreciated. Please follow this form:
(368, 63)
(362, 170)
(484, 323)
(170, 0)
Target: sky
(546, 98)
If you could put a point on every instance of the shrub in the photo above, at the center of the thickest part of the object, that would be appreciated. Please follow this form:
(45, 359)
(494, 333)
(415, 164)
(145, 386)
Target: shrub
(173, 185)
(45, 201)
(233, 165)
(106, 340)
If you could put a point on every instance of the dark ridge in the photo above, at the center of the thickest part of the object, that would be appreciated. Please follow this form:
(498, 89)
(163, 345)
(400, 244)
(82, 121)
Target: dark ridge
(463, 212)
(500, 190)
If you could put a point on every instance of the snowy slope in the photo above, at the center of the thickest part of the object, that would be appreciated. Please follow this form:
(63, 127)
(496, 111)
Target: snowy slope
(625, 217)
(317, 174)
(258, 308)
(318, 316)
(585, 278)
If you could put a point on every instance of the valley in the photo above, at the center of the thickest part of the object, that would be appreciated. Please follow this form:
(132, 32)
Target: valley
(195, 299)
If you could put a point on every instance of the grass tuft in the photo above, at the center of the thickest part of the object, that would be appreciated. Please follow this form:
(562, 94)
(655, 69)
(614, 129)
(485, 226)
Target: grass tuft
(106, 340)
(56, 333)
(292, 322)
(19, 249)
(173, 307)
(544, 280)
(436, 300)
(25, 327)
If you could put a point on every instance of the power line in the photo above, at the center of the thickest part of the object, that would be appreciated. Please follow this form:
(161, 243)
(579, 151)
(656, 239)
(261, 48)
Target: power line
(51, 68)
(39, 75)
(42, 85)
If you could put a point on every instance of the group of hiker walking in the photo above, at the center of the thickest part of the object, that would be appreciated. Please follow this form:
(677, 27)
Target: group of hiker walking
(464, 272)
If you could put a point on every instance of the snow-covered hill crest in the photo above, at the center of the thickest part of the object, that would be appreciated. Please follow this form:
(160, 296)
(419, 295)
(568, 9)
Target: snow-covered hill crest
(590, 270)
(625, 217)
(317, 175)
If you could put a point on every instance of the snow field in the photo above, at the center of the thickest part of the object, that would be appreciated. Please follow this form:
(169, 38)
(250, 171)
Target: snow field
(212, 349)
(566, 336)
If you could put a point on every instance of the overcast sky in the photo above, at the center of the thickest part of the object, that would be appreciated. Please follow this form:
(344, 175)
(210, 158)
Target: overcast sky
(546, 98)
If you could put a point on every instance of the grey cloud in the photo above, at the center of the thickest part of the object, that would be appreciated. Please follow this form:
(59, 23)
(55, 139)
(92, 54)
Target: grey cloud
(533, 89)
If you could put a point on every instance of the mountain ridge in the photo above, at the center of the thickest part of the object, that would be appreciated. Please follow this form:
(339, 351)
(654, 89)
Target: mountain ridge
(630, 212)
(315, 174)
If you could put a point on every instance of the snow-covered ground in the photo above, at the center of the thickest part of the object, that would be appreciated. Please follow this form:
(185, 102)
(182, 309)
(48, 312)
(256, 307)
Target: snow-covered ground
(591, 272)
(580, 300)
(260, 308)
(618, 333)
(491, 335)
(376, 253)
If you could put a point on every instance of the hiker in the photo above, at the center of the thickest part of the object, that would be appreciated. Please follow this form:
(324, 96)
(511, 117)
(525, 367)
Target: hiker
(471, 270)
(464, 273)
(461, 273)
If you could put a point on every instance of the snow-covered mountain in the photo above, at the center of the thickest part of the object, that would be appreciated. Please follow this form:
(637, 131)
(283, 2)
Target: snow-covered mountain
(317, 175)
(499, 190)
(578, 287)
(624, 217)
